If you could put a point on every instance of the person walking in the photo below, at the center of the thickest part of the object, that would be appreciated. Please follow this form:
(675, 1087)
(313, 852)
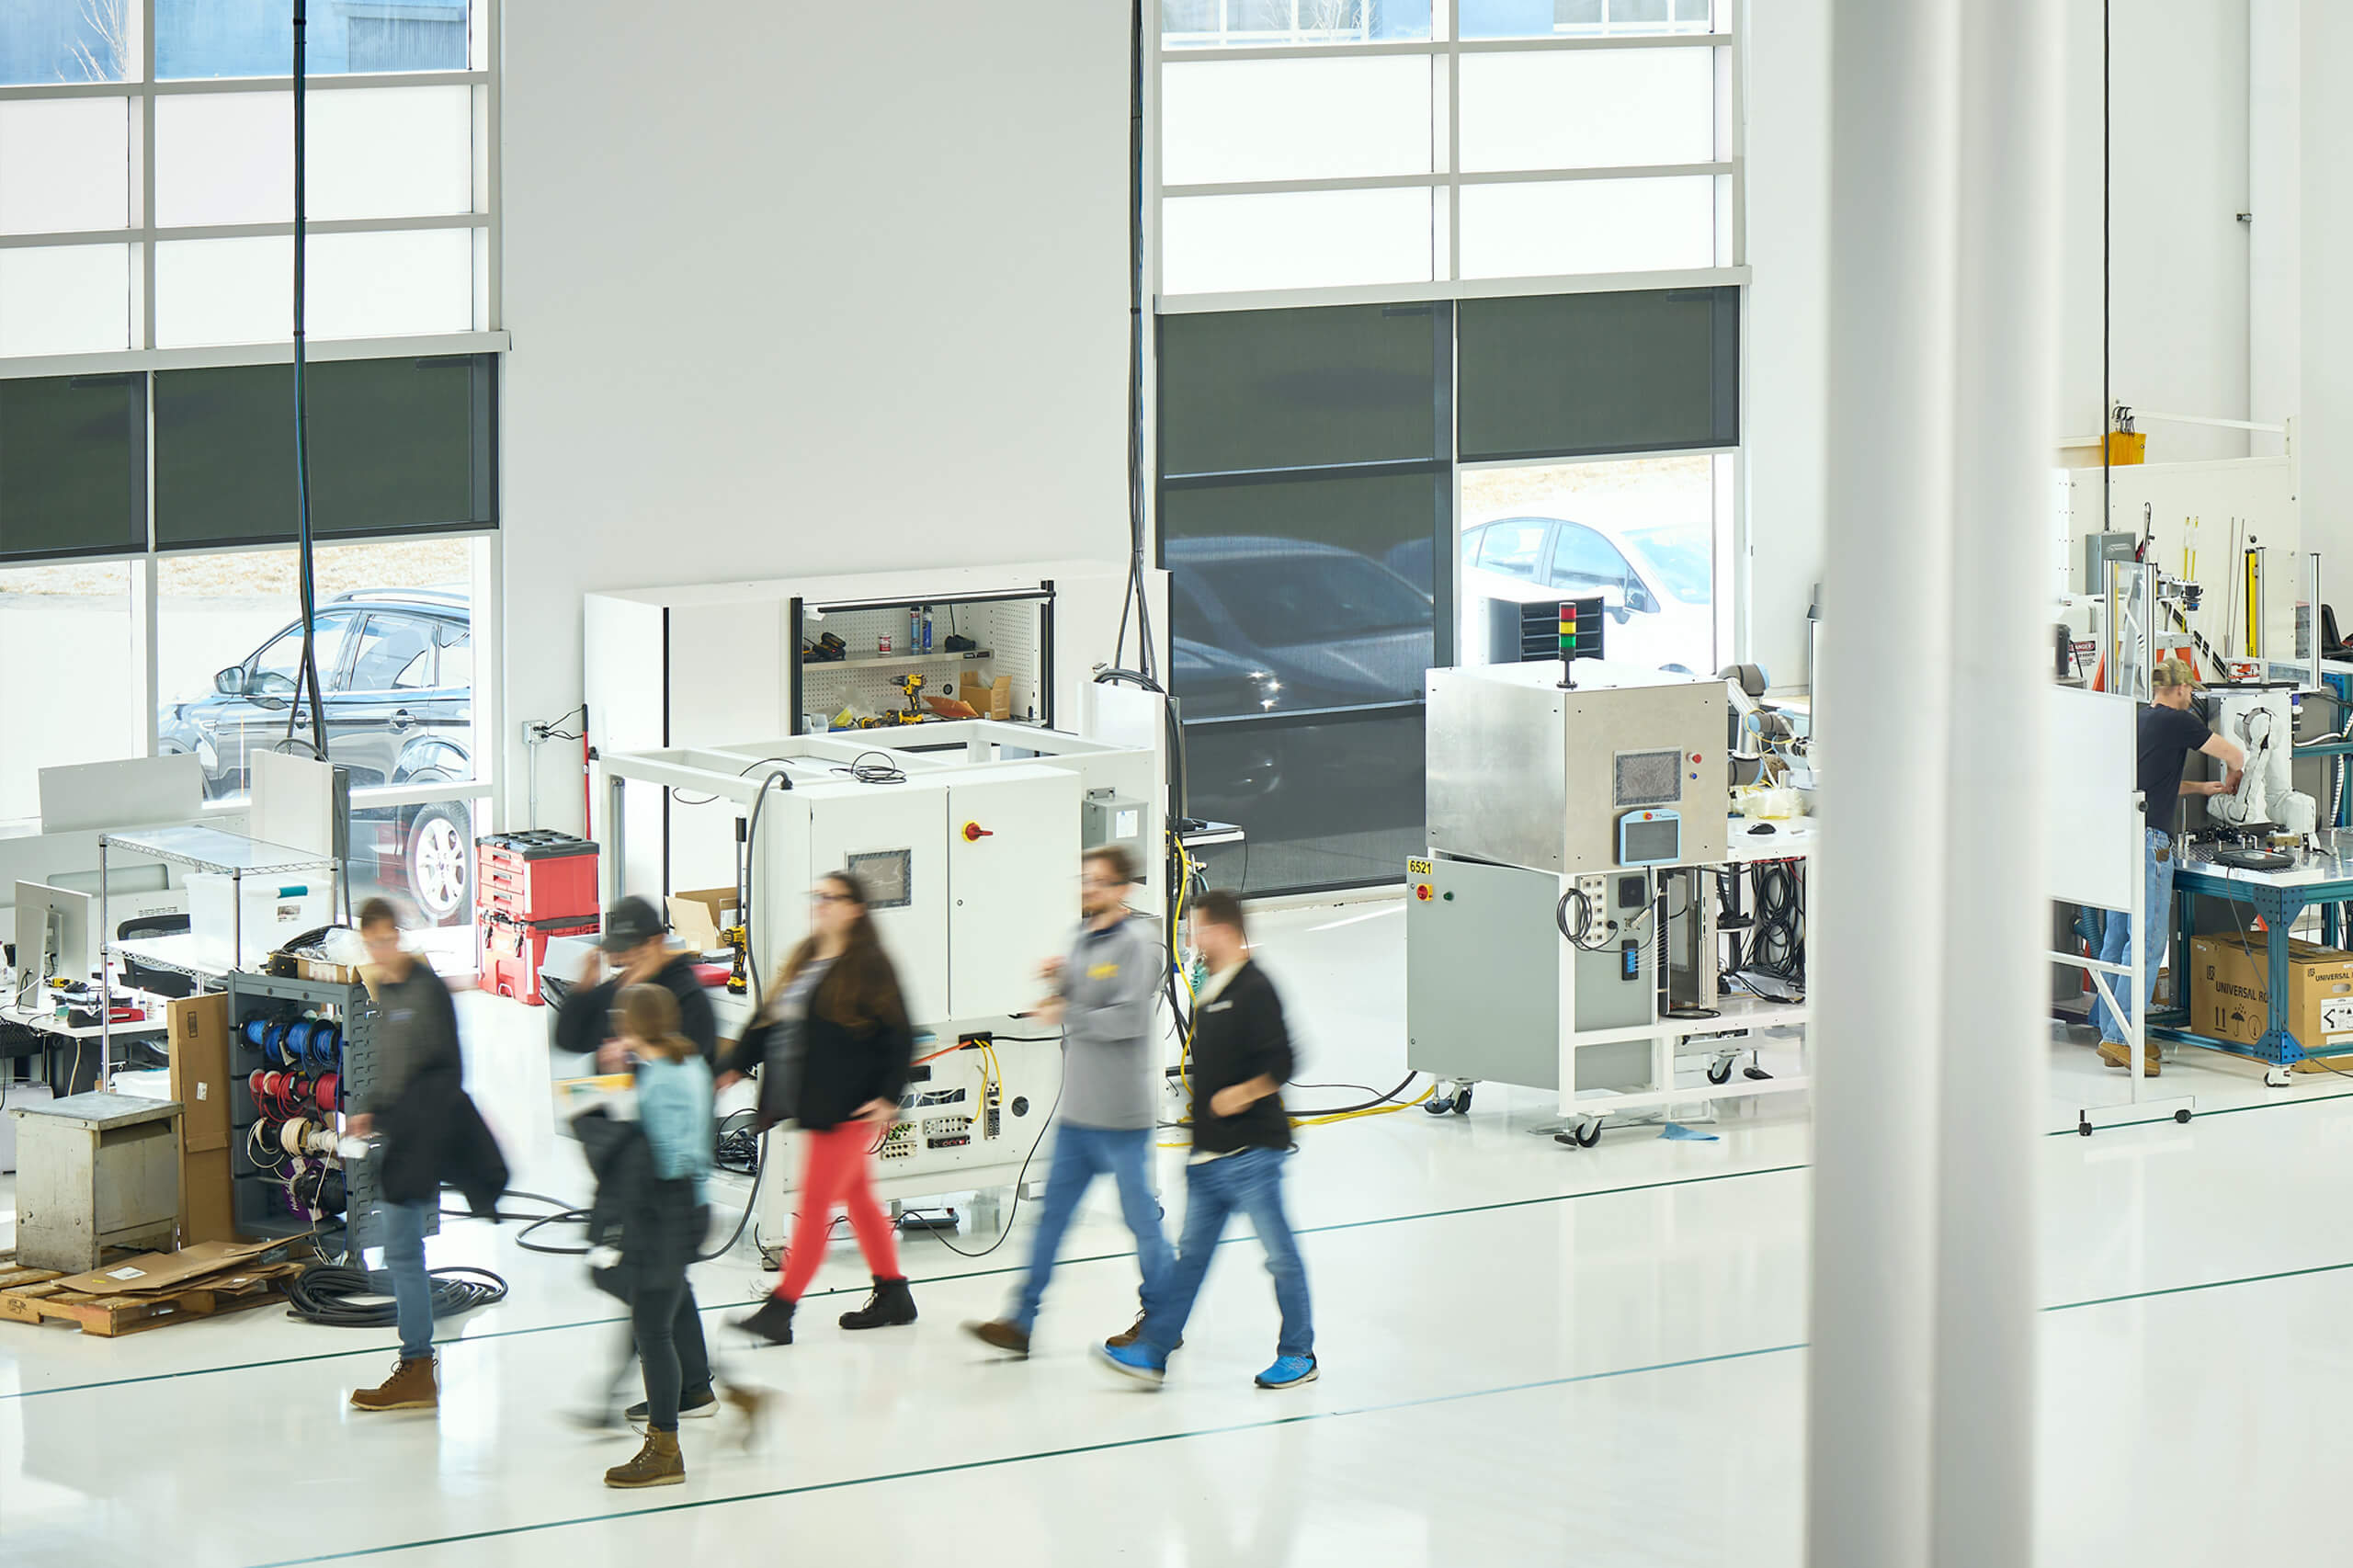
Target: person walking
(834, 1059)
(1102, 998)
(1241, 1057)
(428, 1132)
(665, 1214)
(636, 951)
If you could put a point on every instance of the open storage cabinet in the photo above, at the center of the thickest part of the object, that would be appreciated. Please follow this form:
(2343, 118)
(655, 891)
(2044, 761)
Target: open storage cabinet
(261, 1204)
(865, 684)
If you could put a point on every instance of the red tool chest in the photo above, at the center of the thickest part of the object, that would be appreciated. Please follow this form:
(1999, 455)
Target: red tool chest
(512, 954)
(534, 877)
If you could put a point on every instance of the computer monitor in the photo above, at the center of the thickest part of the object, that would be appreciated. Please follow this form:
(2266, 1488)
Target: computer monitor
(56, 936)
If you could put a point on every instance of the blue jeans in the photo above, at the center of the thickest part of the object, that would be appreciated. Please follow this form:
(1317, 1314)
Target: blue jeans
(405, 1261)
(1082, 1154)
(1249, 1182)
(2116, 942)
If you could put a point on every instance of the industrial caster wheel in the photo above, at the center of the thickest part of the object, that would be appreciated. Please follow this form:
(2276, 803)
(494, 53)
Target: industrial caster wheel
(1438, 1106)
(1589, 1133)
(1755, 1074)
(1461, 1101)
(2277, 1078)
(1721, 1073)
(2182, 1116)
(2084, 1127)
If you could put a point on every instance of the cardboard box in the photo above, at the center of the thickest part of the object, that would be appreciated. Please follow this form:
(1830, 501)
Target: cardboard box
(2230, 984)
(166, 1270)
(991, 699)
(698, 916)
(199, 1032)
(208, 1198)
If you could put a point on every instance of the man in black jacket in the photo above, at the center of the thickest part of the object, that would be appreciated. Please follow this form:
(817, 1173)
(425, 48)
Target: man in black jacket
(1241, 1057)
(635, 950)
(417, 1050)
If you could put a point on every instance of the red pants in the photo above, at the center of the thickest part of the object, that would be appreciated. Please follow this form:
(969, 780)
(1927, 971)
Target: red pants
(837, 1170)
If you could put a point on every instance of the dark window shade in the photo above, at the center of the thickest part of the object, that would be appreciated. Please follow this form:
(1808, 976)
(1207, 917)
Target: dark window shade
(1572, 375)
(396, 445)
(73, 466)
(1254, 390)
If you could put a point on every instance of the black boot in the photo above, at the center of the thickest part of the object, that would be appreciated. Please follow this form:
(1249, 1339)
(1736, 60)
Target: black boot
(890, 1306)
(772, 1323)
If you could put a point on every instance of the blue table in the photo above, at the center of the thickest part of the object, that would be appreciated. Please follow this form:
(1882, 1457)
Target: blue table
(2322, 876)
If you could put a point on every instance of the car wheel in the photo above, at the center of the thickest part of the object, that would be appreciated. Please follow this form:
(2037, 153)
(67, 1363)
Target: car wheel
(439, 855)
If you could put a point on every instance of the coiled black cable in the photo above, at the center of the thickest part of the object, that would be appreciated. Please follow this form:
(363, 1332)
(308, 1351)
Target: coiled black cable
(330, 1295)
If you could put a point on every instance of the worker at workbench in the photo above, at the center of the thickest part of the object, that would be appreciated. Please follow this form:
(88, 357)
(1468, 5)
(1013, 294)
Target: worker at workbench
(2168, 732)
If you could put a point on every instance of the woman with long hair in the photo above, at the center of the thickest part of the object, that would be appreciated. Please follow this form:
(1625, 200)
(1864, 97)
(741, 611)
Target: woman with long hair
(665, 1212)
(835, 1047)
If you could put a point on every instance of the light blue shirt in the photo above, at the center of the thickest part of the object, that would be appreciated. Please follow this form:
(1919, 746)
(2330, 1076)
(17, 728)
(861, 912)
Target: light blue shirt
(674, 1105)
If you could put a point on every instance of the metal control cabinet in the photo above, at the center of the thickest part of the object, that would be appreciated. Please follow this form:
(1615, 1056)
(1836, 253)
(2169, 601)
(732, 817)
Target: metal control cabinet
(1482, 993)
(1524, 773)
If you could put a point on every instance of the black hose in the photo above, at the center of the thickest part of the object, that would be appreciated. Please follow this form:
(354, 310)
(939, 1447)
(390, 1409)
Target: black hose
(330, 1295)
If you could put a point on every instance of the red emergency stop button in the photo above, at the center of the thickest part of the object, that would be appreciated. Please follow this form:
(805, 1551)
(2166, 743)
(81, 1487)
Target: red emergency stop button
(974, 833)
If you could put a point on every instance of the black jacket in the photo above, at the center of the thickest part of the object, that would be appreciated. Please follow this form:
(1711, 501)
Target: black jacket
(433, 1136)
(1238, 1037)
(657, 1224)
(584, 1022)
(841, 1068)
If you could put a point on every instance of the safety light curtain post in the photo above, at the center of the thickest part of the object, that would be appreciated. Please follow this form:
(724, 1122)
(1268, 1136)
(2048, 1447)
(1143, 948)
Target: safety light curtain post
(306, 675)
(1944, 224)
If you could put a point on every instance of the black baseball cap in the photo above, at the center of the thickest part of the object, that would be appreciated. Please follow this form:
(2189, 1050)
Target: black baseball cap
(631, 923)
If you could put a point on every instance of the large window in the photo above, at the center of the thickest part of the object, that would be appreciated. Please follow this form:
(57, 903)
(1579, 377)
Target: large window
(1308, 144)
(1311, 462)
(1304, 517)
(152, 208)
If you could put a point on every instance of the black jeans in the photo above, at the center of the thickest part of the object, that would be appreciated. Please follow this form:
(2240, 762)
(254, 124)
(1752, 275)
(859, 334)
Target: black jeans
(669, 1345)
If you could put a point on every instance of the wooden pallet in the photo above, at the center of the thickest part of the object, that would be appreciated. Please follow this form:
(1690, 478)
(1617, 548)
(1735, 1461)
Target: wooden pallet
(31, 1296)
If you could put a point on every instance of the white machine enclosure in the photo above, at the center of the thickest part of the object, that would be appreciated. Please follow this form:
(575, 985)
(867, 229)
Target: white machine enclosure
(972, 862)
(1523, 773)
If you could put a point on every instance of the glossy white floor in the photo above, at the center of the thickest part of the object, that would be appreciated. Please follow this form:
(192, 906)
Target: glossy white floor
(1532, 1356)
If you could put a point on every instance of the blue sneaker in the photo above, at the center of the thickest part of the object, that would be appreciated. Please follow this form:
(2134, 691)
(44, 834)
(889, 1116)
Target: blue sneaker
(1132, 1361)
(1289, 1372)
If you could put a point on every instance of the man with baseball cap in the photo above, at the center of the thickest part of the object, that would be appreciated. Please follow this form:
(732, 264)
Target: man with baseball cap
(635, 950)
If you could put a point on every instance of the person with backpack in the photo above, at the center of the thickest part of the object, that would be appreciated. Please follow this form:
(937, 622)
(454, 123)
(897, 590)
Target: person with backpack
(664, 1212)
(832, 1048)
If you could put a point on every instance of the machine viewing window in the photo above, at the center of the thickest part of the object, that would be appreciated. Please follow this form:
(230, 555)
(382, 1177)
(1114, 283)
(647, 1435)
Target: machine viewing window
(888, 877)
(1647, 779)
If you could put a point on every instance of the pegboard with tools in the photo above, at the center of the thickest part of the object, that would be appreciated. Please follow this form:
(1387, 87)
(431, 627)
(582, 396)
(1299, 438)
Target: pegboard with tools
(868, 666)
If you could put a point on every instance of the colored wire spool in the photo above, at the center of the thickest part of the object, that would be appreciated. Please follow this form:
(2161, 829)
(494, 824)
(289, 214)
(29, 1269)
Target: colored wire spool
(255, 1029)
(327, 1093)
(274, 1046)
(325, 1045)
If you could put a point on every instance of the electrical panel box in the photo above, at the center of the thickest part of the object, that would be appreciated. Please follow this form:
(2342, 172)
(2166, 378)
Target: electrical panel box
(1112, 819)
(1478, 921)
(1525, 773)
(1012, 885)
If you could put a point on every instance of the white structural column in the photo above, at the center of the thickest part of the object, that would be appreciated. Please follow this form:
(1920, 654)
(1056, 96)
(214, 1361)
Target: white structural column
(1881, 699)
(1995, 1046)
(2325, 370)
(1942, 305)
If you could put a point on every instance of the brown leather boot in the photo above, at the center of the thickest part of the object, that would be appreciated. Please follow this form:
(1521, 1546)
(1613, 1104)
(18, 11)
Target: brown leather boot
(657, 1464)
(414, 1385)
(1132, 1332)
(752, 1404)
(2117, 1054)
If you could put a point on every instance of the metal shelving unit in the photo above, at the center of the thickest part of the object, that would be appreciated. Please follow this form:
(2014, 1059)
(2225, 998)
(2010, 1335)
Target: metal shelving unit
(192, 848)
(355, 1014)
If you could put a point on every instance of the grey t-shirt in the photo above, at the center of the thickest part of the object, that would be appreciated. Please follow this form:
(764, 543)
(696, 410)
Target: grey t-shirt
(1108, 983)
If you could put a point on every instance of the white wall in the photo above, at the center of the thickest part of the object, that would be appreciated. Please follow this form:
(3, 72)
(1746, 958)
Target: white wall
(803, 288)
(2324, 325)
(1785, 358)
(2181, 341)
(2180, 254)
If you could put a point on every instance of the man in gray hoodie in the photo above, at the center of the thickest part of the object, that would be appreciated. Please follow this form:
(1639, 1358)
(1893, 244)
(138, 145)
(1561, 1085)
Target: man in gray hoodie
(1103, 998)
